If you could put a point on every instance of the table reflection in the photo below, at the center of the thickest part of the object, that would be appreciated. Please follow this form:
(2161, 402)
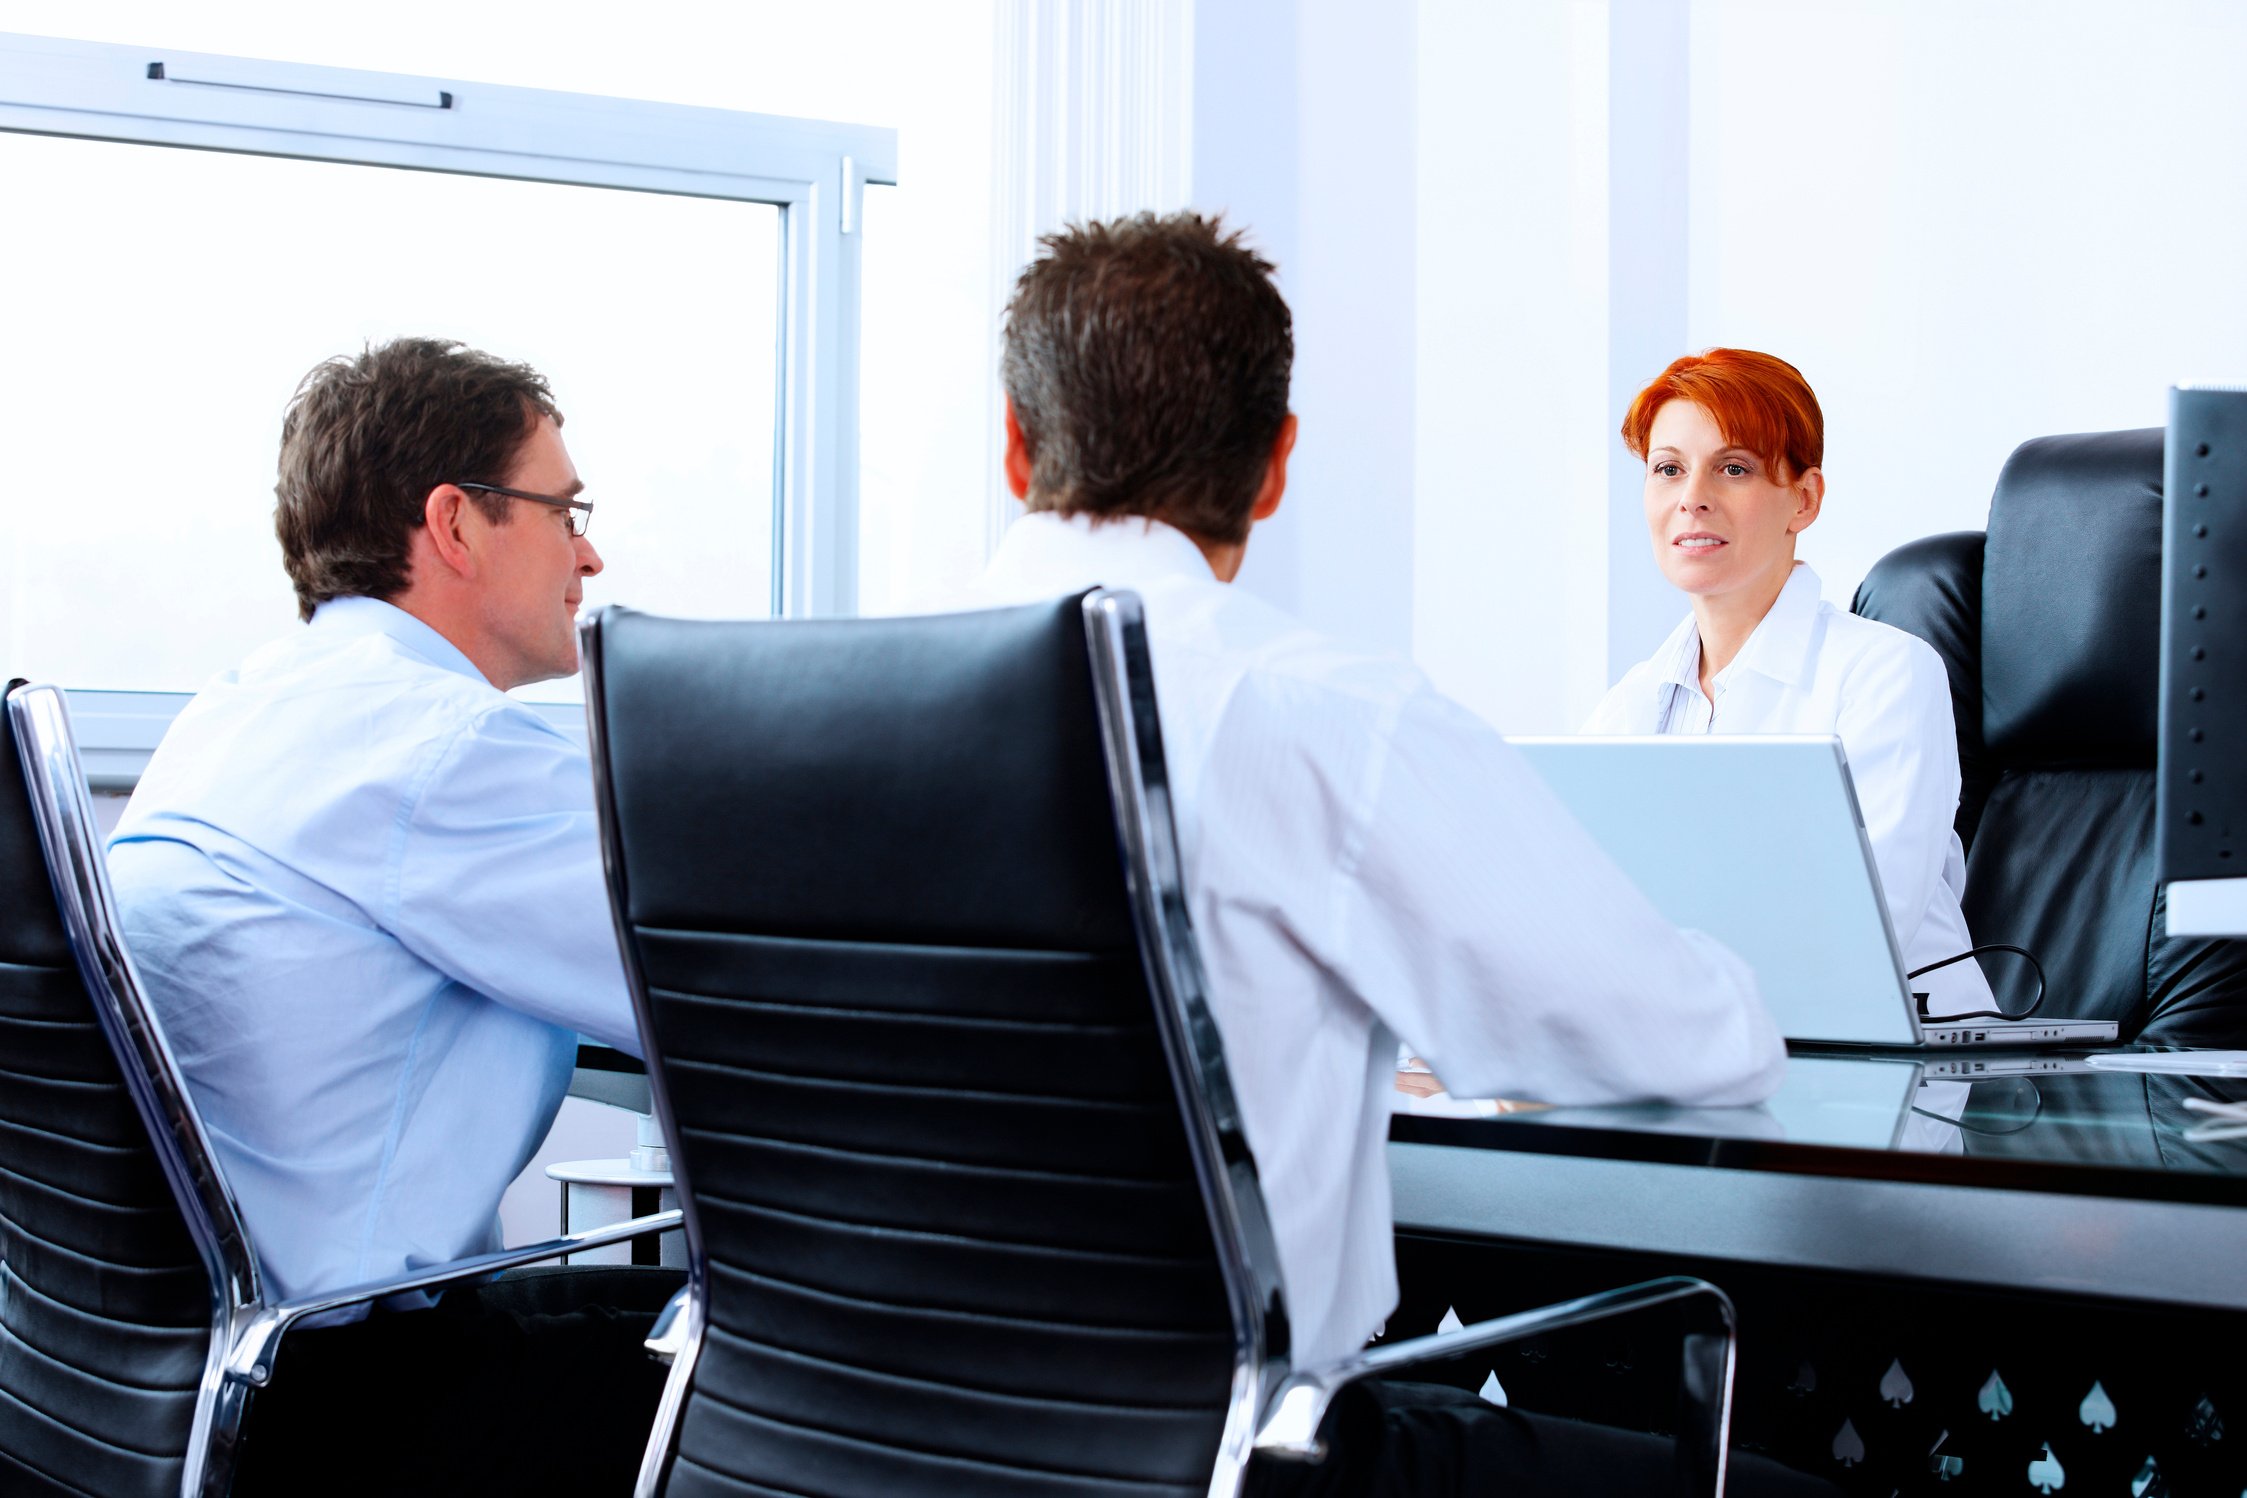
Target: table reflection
(2049, 1109)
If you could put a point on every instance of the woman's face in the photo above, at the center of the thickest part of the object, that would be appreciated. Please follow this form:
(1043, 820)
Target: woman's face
(1720, 519)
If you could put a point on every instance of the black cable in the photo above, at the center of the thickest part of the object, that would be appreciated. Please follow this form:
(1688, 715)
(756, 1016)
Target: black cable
(1996, 946)
(1959, 1123)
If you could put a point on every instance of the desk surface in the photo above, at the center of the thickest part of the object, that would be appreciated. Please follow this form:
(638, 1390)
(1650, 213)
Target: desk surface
(2067, 1180)
(2066, 1126)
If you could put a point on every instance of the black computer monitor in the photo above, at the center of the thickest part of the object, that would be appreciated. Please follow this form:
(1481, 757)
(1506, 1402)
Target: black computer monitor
(2200, 812)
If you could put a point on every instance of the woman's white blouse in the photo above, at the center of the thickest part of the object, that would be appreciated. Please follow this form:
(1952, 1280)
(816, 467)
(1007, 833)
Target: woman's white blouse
(1812, 668)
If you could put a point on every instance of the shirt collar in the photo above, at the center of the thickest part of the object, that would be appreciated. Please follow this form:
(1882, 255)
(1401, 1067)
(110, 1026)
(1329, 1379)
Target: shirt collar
(1781, 646)
(1041, 548)
(1678, 662)
(346, 618)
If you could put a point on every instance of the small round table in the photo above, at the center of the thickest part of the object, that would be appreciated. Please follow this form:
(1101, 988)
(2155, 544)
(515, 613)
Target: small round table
(596, 1193)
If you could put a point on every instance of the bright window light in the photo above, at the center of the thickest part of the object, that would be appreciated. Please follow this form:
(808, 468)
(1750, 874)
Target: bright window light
(184, 293)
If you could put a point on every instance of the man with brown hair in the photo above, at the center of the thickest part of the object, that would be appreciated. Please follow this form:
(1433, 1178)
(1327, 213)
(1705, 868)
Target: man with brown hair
(363, 885)
(1366, 860)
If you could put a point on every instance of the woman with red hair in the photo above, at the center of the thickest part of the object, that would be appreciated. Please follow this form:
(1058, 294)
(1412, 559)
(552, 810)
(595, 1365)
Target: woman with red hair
(1733, 441)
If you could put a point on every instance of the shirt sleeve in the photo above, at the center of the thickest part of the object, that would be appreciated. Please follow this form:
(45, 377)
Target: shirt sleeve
(1458, 899)
(497, 880)
(1896, 729)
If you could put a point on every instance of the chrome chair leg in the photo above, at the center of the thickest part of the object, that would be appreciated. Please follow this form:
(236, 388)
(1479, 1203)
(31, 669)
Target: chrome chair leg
(1705, 1409)
(214, 1453)
(677, 1340)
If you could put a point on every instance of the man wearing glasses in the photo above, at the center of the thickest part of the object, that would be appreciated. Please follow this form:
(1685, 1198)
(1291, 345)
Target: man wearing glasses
(364, 888)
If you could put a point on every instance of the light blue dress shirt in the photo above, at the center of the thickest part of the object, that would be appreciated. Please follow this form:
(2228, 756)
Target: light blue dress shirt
(363, 887)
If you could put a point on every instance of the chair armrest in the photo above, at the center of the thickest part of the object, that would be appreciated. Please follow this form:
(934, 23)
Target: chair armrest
(1291, 1422)
(250, 1360)
(674, 1327)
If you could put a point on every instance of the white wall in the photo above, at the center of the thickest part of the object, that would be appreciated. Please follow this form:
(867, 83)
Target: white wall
(1432, 181)
(1303, 130)
(1968, 222)
(1511, 325)
(1092, 119)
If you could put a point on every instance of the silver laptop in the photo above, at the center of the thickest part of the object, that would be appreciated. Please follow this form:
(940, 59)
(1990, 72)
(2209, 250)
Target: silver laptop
(1758, 841)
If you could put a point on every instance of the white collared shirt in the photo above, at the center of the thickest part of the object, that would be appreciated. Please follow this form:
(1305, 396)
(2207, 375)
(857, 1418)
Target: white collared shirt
(1812, 668)
(363, 887)
(1367, 860)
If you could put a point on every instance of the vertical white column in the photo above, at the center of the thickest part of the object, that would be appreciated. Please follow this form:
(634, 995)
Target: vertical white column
(1510, 524)
(1247, 149)
(1353, 484)
(1303, 135)
(1648, 195)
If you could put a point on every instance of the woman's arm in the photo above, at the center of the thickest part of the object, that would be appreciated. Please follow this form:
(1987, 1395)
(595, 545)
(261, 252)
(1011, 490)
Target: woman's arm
(1896, 728)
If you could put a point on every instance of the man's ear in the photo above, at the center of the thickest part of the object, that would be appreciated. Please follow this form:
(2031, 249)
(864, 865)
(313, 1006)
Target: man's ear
(444, 530)
(1275, 473)
(1017, 455)
(1809, 499)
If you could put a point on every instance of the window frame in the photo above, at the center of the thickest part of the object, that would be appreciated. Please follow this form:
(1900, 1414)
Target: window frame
(813, 171)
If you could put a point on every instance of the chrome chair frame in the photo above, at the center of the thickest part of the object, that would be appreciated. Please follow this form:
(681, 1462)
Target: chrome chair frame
(1276, 1406)
(246, 1329)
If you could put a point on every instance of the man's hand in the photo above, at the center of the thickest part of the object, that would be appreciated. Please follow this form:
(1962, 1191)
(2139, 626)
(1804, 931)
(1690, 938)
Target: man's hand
(1415, 1078)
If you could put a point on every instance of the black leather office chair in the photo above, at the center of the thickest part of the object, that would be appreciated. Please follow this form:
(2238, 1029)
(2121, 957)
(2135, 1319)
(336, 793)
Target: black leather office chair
(132, 1324)
(2051, 627)
(969, 1208)
(105, 1304)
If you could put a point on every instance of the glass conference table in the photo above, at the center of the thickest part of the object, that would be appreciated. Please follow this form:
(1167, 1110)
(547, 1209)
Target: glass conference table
(1947, 1283)
(1948, 1279)
(2038, 1173)
(2048, 1172)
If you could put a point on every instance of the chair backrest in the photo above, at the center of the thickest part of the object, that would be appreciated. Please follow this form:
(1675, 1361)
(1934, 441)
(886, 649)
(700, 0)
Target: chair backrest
(2051, 629)
(927, 1039)
(106, 1305)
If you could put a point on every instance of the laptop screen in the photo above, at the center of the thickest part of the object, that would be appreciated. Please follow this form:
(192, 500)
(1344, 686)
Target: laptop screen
(1756, 841)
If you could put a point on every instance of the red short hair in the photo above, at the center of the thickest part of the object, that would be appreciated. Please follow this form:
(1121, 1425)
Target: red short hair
(1760, 403)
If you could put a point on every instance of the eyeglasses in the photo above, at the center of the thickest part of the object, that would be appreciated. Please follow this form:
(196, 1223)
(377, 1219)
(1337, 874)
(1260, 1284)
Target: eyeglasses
(579, 511)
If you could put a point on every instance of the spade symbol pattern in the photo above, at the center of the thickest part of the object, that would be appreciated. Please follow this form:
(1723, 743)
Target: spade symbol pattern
(1944, 1467)
(2196, 1419)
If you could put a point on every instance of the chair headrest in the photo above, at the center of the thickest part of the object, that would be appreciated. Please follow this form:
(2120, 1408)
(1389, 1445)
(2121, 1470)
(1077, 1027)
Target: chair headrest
(2071, 601)
(936, 780)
